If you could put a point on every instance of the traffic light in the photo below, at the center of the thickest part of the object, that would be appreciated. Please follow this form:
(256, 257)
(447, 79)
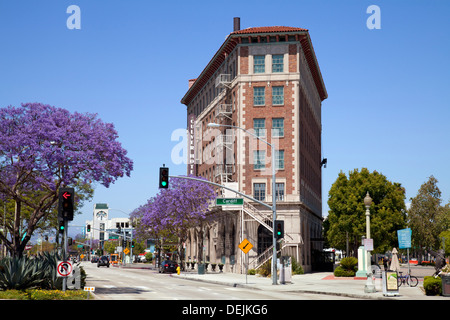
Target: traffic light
(65, 204)
(132, 244)
(88, 228)
(279, 229)
(61, 227)
(163, 177)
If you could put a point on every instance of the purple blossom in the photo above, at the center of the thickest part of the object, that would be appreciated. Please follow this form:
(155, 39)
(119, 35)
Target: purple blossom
(43, 148)
(173, 211)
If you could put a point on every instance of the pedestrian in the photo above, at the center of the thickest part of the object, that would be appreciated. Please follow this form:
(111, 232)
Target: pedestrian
(385, 263)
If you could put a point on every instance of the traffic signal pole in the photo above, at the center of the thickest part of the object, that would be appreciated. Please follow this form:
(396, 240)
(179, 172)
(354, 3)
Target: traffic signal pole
(66, 248)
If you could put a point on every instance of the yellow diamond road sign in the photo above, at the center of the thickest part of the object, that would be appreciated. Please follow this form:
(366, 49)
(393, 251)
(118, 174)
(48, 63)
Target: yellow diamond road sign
(245, 246)
(126, 251)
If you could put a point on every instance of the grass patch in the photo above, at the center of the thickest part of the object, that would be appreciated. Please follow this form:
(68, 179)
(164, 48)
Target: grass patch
(39, 294)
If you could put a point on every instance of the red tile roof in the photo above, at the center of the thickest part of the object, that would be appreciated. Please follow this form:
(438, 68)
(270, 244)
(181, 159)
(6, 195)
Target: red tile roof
(268, 30)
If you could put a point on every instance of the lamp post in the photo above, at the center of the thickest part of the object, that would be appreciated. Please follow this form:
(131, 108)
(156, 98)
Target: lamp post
(369, 286)
(274, 209)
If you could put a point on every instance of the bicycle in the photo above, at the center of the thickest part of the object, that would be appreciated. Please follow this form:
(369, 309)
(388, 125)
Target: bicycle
(408, 279)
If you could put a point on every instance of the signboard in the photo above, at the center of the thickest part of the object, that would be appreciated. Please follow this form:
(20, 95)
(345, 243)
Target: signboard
(245, 246)
(368, 244)
(126, 251)
(229, 201)
(191, 144)
(404, 238)
(64, 268)
(90, 289)
(390, 283)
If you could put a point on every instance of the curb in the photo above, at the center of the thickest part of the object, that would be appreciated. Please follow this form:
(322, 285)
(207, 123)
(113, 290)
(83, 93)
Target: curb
(247, 286)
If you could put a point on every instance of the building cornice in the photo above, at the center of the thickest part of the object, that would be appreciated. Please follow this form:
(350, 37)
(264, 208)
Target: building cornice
(235, 38)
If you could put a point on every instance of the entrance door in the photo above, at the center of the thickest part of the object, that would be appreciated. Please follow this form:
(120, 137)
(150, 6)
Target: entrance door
(264, 239)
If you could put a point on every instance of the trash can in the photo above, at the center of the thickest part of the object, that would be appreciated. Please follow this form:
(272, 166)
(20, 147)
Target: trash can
(201, 268)
(445, 285)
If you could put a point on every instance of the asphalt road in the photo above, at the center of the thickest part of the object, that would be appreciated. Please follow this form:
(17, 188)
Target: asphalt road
(143, 284)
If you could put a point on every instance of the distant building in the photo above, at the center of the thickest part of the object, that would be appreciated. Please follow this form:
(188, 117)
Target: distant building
(102, 228)
(265, 80)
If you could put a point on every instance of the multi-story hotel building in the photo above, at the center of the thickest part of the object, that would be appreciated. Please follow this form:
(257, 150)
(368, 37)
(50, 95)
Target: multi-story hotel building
(267, 81)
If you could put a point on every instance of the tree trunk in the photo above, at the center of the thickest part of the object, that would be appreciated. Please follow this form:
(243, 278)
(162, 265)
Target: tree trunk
(16, 252)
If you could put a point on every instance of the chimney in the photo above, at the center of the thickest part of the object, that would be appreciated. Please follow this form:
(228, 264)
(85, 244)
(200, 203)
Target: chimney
(236, 24)
(191, 82)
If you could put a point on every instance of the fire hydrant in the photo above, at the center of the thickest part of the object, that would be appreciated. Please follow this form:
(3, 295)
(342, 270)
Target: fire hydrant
(178, 270)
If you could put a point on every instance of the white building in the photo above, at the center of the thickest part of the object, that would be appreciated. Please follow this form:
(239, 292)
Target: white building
(102, 228)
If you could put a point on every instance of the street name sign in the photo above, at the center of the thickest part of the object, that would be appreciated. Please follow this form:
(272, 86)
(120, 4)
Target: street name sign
(404, 238)
(229, 201)
(245, 246)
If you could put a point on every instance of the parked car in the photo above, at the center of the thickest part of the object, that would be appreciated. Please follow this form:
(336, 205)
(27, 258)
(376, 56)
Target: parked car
(94, 259)
(103, 261)
(168, 266)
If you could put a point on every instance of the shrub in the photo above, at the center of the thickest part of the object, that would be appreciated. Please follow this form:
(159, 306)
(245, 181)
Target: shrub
(22, 272)
(347, 267)
(296, 268)
(349, 263)
(432, 285)
(251, 272)
(265, 269)
(341, 272)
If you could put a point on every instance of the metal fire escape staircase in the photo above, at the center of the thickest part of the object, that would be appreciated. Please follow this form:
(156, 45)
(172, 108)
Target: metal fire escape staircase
(224, 171)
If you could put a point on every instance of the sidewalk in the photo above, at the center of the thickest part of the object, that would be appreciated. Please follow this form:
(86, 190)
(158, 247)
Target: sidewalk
(320, 283)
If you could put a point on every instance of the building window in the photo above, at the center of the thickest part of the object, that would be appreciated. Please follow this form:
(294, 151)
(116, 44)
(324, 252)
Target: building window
(258, 96)
(277, 63)
(259, 159)
(279, 191)
(259, 191)
(259, 125)
(259, 64)
(279, 159)
(278, 127)
(277, 95)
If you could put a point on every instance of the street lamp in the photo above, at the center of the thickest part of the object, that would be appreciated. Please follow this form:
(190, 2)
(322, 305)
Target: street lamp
(369, 287)
(274, 209)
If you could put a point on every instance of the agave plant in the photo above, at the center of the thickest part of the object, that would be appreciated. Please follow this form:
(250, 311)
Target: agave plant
(23, 272)
(20, 273)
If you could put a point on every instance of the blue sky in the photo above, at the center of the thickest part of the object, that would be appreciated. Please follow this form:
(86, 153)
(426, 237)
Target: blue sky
(388, 105)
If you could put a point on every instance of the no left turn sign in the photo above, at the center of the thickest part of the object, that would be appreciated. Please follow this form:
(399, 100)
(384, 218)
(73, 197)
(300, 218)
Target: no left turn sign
(64, 268)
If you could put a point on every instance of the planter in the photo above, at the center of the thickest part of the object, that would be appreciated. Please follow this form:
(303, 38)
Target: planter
(213, 266)
(445, 285)
(220, 267)
(201, 268)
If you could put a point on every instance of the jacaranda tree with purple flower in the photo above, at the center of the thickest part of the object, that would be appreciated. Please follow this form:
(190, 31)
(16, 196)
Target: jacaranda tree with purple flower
(44, 148)
(170, 215)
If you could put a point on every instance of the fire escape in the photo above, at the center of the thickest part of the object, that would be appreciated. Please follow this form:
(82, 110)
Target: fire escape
(224, 170)
(224, 143)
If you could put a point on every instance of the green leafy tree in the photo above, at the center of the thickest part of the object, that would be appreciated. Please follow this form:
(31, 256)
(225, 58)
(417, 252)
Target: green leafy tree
(426, 217)
(346, 218)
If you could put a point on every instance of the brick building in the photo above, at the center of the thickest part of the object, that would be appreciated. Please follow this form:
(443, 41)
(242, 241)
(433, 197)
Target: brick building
(267, 81)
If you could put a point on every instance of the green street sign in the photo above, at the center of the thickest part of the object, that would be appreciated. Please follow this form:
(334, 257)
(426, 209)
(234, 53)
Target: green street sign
(229, 201)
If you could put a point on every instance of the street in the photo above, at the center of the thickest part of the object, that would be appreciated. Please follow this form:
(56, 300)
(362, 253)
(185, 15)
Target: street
(143, 284)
